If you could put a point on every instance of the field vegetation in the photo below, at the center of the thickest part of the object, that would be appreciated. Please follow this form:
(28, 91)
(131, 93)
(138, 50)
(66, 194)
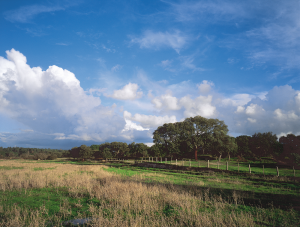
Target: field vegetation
(52, 193)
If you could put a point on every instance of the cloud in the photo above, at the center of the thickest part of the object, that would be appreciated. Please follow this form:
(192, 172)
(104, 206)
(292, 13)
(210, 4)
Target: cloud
(277, 110)
(53, 101)
(240, 99)
(232, 60)
(128, 92)
(157, 40)
(205, 86)
(63, 44)
(201, 105)
(166, 102)
(25, 13)
(182, 63)
(275, 38)
(186, 106)
(96, 91)
(207, 10)
(132, 126)
(149, 144)
(116, 68)
(167, 65)
(278, 113)
(108, 49)
(187, 62)
(149, 121)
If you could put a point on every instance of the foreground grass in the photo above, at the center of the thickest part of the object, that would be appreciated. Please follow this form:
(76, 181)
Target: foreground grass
(47, 194)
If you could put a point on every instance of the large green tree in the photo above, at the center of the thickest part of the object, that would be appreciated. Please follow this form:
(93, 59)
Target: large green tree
(169, 138)
(200, 132)
(138, 150)
(119, 149)
(192, 134)
(85, 152)
(223, 143)
(74, 152)
(156, 150)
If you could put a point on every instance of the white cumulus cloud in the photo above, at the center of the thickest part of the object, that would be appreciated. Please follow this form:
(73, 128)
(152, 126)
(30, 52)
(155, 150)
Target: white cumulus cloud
(149, 121)
(167, 102)
(278, 111)
(53, 101)
(201, 105)
(205, 86)
(128, 92)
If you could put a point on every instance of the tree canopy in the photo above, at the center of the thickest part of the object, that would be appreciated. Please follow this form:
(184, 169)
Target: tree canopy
(193, 133)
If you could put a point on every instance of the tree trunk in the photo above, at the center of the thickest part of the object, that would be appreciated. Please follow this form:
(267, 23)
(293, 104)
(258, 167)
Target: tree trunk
(220, 157)
(196, 154)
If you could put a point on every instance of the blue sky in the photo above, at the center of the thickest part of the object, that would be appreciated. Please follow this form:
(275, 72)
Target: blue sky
(87, 72)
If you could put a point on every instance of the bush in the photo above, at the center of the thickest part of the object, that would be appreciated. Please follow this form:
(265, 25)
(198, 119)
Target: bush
(24, 156)
(85, 152)
(52, 157)
(40, 156)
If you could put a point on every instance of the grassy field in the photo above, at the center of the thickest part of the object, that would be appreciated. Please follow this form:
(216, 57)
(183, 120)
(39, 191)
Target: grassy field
(49, 193)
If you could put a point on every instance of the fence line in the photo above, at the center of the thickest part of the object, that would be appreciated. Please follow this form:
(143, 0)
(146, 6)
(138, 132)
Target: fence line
(210, 165)
(198, 164)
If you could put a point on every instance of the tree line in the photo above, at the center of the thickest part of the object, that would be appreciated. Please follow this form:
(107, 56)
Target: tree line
(32, 153)
(118, 150)
(192, 138)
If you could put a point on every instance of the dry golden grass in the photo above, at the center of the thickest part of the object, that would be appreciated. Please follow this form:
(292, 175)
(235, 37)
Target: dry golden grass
(131, 202)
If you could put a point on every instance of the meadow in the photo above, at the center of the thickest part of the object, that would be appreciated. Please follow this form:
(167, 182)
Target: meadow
(51, 193)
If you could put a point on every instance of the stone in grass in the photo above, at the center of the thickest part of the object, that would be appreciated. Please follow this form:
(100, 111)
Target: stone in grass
(77, 222)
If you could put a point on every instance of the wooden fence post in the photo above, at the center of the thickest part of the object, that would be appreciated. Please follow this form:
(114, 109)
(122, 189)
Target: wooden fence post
(166, 160)
(176, 161)
(277, 171)
(294, 171)
(149, 159)
(182, 162)
(226, 165)
(152, 159)
(207, 163)
(249, 169)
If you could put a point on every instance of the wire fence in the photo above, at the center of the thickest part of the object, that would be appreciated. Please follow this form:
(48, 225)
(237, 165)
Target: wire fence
(253, 168)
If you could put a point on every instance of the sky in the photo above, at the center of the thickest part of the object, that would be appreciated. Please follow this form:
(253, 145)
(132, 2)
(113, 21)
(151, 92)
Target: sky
(87, 72)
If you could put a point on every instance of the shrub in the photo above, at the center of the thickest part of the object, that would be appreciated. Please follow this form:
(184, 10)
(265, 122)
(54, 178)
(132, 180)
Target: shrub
(52, 157)
(41, 156)
(24, 156)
